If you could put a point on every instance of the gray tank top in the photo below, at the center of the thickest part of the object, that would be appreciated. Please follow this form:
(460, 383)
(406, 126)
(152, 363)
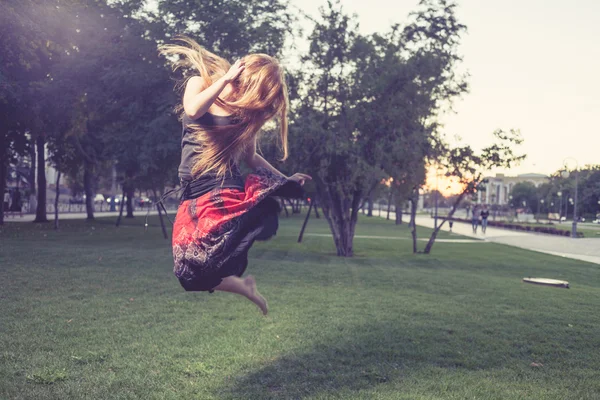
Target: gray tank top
(190, 147)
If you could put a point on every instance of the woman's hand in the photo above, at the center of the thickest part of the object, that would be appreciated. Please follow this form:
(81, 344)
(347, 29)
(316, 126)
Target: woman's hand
(300, 178)
(235, 71)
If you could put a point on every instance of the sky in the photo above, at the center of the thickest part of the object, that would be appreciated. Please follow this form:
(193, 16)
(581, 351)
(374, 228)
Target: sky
(534, 65)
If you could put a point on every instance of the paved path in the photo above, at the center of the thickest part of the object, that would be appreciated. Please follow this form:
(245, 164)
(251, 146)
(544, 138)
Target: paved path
(585, 249)
(63, 216)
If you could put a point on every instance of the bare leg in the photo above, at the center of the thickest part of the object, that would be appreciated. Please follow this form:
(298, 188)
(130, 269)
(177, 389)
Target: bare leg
(245, 287)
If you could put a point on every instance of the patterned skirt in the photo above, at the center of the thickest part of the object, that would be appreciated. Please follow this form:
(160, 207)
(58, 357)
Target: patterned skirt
(212, 233)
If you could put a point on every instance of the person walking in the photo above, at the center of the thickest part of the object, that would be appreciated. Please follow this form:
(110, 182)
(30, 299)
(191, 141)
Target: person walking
(474, 219)
(485, 213)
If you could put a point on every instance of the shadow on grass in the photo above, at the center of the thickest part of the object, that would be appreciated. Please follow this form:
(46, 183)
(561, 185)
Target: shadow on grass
(363, 357)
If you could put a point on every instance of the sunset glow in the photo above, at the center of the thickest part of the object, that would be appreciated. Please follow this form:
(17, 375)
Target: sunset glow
(446, 186)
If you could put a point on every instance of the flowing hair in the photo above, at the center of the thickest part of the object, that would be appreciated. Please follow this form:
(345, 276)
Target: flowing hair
(259, 94)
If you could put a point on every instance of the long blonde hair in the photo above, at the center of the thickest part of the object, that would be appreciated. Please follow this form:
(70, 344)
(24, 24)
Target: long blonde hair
(259, 94)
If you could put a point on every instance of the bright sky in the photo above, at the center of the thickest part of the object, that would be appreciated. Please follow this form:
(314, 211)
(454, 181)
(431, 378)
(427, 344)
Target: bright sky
(534, 66)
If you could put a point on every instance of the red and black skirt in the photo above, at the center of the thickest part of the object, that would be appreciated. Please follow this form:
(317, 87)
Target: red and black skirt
(218, 221)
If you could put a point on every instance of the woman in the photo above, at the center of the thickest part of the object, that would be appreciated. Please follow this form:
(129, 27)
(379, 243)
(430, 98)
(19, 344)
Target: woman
(224, 107)
(475, 219)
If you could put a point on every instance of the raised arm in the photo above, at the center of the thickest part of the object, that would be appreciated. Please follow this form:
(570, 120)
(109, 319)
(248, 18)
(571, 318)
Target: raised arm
(199, 96)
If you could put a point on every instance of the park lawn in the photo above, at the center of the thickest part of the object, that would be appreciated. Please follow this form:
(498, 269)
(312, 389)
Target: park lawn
(94, 312)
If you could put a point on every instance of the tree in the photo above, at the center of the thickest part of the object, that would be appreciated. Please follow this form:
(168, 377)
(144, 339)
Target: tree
(365, 103)
(26, 53)
(590, 191)
(524, 194)
(469, 168)
(229, 28)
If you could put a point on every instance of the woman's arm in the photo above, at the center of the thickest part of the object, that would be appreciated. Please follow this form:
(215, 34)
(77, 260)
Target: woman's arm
(254, 161)
(198, 96)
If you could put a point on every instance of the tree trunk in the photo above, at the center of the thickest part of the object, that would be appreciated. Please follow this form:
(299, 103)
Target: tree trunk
(162, 222)
(284, 207)
(413, 218)
(88, 189)
(370, 206)
(341, 214)
(120, 211)
(3, 174)
(160, 216)
(130, 194)
(389, 205)
(32, 190)
(316, 209)
(298, 206)
(56, 199)
(305, 222)
(435, 231)
(40, 213)
(398, 206)
(399, 215)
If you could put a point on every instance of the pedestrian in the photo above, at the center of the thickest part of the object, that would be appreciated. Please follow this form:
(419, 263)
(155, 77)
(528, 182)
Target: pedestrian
(474, 219)
(485, 213)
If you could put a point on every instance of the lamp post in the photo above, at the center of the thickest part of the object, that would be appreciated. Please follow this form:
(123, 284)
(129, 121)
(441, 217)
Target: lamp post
(565, 174)
(559, 194)
(435, 218)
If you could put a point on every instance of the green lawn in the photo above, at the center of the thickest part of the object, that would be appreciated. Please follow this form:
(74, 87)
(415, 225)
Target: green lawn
(94, 312)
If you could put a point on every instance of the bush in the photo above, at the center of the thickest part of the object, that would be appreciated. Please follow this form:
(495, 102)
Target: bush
(549, 229)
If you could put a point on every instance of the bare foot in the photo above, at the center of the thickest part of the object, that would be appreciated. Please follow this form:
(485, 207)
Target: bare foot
(254, 296)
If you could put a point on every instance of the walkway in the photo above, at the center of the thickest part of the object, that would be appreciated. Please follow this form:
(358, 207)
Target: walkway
(74, 215)
(585, 249)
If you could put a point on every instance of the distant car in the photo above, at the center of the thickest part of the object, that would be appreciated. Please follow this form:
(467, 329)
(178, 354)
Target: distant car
(117, 199)
(143, 201)
(98, 199)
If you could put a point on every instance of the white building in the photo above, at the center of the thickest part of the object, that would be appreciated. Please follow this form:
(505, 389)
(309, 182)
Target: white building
(498, 188)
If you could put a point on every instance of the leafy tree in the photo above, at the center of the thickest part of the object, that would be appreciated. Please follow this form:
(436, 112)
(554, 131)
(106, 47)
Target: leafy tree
(30, 37)
(524, 194)
(229, 28)
(368, 106)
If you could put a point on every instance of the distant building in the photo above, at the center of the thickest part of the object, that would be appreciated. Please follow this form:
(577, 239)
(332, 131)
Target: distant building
(498, 188)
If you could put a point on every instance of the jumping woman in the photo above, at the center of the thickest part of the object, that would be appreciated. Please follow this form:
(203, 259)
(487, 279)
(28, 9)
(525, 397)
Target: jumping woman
(221, 214)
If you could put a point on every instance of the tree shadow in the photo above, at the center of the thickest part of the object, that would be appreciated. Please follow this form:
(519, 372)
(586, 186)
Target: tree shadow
(364, 356)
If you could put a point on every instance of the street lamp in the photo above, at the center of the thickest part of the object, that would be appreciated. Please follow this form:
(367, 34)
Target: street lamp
(559, 194)
(565, 174)
(435, 218)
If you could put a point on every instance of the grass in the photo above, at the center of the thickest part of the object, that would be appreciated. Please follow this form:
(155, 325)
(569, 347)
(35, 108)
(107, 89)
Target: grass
(94, 312)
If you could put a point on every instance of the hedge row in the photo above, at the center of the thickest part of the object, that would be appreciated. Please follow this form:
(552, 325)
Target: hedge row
(526, 228)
